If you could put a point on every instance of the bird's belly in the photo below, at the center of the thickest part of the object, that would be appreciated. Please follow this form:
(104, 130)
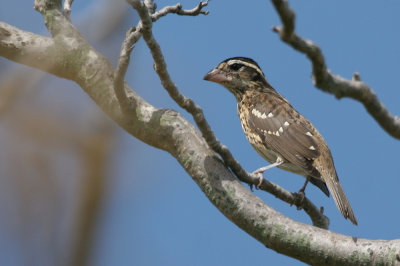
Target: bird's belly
(272, 156)
(293, 168)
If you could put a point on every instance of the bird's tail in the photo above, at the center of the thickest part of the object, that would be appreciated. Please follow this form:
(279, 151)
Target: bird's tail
(320, 184)
(340, 198)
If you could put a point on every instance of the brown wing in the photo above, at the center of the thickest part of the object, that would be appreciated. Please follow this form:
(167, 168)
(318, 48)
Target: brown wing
(286, 132)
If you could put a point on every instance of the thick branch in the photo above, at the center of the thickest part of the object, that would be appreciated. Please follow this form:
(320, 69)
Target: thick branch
(160, 66)
(168, 130)
(28, 48)
(326, 80)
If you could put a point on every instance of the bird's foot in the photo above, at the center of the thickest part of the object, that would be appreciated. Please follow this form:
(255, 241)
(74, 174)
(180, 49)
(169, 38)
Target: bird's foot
(259, 172)
(260, 175)
(251, 187)
(300, 196)
(261, 179)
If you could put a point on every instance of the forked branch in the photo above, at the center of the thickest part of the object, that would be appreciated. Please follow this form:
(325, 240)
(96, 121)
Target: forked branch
(329, 82)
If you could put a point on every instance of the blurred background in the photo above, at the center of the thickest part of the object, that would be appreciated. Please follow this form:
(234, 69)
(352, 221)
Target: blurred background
(75, 189)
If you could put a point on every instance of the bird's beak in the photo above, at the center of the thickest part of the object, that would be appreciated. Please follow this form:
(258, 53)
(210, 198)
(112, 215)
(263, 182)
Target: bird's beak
(217, 75)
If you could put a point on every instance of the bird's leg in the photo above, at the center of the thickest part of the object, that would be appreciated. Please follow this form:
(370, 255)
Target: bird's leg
(303, 188)
(261, 170)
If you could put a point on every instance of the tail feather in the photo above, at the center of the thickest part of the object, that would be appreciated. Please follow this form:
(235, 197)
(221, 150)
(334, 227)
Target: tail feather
(320, 184)
(340, 198)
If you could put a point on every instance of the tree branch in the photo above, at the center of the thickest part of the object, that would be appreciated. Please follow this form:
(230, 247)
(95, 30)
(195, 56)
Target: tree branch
(177, 9)
(132, 36)
(67, 8)
(27, 48)
(135, 33)
(326, 80)
(168, 130)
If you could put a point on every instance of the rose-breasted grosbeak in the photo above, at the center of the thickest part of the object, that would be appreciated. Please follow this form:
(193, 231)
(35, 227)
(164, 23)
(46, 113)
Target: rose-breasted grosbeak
(280, 134)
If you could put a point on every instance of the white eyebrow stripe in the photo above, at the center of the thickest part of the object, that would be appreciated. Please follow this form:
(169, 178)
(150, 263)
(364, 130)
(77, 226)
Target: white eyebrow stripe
(235, 61)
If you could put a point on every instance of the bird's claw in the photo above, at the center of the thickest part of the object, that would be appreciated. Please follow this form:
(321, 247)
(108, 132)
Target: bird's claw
(251, 187)
(300, 196)
(260, 178)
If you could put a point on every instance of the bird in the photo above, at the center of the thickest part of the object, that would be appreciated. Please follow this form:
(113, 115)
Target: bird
(277, 131)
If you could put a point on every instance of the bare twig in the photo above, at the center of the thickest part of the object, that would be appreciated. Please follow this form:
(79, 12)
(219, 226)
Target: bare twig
(356, 76)
(188, 104)
(67, 8)
(177, 9)
(134, 34)
(326, 80)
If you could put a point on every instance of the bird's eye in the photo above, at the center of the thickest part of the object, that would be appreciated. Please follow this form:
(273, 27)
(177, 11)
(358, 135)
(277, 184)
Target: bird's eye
(235, 67)
(256, 77)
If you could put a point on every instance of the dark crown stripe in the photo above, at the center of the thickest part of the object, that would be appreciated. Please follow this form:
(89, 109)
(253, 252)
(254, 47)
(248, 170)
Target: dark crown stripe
(245, 61)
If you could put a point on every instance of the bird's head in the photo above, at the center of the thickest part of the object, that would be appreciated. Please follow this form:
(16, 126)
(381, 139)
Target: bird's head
(238, 74)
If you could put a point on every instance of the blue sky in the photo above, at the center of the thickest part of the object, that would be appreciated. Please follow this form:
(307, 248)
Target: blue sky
(156, 215)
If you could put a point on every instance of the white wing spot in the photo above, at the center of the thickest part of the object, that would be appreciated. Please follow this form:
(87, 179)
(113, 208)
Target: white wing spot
(312, 148)
(269, 132)
(256, 112)
(309, 134)
(286, 124)
(277, 133)
(261, 115)
(281, 129)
